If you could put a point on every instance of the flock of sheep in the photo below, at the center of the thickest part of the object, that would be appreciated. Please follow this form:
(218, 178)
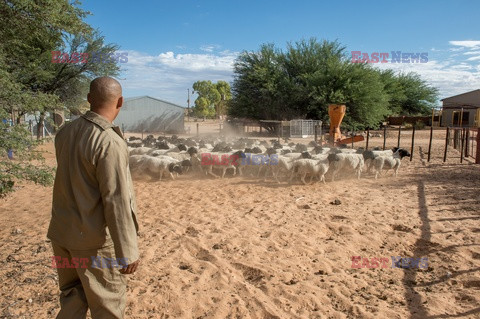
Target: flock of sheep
(173, 156)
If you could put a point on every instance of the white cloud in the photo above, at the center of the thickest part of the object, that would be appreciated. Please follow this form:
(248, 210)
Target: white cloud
(467, 44)
(210, 47)
(168, 74)
(472, 52)
(449, 76)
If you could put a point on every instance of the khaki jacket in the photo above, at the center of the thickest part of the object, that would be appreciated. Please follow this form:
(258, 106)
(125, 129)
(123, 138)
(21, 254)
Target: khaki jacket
(93, 199)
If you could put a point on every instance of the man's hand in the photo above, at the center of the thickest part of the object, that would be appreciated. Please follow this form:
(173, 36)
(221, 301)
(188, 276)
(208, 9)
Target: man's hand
(130, 269)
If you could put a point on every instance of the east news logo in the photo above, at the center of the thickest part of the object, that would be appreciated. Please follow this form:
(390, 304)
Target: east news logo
(382, 57)
(93, 57)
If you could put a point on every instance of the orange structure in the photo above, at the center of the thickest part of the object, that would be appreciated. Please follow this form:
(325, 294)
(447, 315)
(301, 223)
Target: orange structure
(336, 113)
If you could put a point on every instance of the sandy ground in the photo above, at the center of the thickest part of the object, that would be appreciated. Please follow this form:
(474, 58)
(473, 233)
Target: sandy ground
(243, 248)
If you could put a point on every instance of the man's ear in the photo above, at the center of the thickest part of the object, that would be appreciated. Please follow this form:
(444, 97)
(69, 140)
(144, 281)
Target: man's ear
(120, 102)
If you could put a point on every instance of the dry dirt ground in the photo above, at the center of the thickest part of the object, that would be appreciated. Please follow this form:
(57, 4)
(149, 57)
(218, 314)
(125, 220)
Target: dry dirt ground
(244, 248)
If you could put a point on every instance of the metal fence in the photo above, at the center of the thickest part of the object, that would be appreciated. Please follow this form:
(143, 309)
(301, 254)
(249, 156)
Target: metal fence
(304, 128)
(465, 141)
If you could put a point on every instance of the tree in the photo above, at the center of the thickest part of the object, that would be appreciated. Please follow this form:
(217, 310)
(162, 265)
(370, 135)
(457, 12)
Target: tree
(31, 32)
(29, 81)
(19, 159)
(225, 92)
(212, 98)
(302, 81)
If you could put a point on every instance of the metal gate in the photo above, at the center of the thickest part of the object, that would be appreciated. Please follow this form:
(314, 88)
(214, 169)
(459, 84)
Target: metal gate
(304, 128)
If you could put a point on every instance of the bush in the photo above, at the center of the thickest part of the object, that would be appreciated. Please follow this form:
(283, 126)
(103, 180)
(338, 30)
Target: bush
(419, 125)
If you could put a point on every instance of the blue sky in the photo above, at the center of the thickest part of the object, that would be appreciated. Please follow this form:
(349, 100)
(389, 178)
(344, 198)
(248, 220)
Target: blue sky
(172, 44)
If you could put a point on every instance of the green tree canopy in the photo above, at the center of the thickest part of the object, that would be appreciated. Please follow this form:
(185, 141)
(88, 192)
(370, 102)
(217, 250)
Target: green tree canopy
(303, 80)
(212, 98)
(30, 83)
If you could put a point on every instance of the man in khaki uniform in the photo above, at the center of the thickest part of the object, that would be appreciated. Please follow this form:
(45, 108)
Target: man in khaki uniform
(93, 209)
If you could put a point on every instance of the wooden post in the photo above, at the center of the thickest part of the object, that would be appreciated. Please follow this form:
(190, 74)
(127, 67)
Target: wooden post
(281, 129)
(353, 134)
(278, 133)
(399, 133)
(461, 118)
(316, 132)
(430, 144)
(462, 144)
(368, 138)
(477, 157)
(455, 139)
(413, 143)
(467, 144)
(446, 145)
(197, 129)
(384, 137)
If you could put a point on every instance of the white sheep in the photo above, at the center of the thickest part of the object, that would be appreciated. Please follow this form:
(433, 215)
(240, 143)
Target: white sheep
(312, 167)
(208, 161)
(388, 162)
(140, 151)
(160, 165)
(370, 155)
(282, 164)
(346, 161)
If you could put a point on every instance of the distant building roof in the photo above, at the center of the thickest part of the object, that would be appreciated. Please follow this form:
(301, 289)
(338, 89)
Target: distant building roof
(468, 100)
(146, 96)
(459, 95)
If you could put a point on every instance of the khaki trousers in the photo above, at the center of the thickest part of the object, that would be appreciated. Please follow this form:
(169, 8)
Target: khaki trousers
(103, 290)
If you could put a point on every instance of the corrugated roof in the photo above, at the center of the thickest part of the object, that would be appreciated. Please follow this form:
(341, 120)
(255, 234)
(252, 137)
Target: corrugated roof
(153, 98)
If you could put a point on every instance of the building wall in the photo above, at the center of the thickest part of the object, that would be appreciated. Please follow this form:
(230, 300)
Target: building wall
(448, 114)
(146, 114)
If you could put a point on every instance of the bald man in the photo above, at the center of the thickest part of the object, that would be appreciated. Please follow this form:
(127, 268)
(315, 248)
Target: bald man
(93, 228)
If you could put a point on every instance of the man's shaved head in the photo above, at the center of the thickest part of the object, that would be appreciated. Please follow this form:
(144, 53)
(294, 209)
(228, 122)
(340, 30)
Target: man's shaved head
(105, 96)
(105, 90)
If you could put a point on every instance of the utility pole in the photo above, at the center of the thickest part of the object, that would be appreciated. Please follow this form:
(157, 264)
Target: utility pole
(188, 101)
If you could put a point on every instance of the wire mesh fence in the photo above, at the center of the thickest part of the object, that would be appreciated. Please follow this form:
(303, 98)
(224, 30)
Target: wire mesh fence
(304, 128)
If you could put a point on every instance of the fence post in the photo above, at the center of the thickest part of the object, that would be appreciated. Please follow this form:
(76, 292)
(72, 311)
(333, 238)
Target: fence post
(368, 138)
(384, 137)
(430, 143)
(477, 157)
(399, 132)
(467, 142)
(197, 129)
(353, 134)
(446, 145)
(462, 144)
(316, 132)
(455, 137)
(413, 144)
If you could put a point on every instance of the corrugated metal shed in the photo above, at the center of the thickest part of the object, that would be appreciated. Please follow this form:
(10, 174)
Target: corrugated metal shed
(148, 114)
